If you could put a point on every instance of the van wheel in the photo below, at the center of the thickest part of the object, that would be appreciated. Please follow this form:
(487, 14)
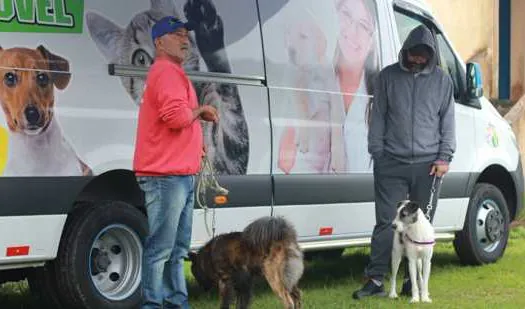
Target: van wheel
(43, 286)
(486, 230)
(100, 255)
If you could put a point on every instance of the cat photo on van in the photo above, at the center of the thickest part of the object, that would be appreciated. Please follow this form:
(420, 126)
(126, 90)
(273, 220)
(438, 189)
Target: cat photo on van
(227, 141)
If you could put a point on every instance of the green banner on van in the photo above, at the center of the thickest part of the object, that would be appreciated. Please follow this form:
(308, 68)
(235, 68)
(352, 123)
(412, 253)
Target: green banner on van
(43, 16)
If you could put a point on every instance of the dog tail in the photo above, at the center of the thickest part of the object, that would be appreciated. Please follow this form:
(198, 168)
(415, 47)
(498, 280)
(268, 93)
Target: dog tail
(263, 232)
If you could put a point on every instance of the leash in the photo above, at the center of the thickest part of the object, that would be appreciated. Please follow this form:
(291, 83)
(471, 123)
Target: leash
(208, 180)
(432, 192)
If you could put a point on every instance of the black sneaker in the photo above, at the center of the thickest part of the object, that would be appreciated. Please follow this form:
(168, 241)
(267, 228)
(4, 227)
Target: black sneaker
(370, 289)
(406, 290)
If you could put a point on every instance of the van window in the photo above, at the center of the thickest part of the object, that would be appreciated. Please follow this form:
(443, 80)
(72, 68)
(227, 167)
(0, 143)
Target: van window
(451, 65)
(447, 60)
(405, 24)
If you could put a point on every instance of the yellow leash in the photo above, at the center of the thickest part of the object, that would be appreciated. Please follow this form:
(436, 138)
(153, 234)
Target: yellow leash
(207, 180)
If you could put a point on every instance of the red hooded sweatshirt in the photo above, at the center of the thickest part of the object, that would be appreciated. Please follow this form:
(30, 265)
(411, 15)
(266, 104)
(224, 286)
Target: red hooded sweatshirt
(169, 141)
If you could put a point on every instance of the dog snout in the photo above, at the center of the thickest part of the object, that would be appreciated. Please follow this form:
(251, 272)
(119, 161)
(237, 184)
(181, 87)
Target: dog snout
(394, 226)
(32, 115)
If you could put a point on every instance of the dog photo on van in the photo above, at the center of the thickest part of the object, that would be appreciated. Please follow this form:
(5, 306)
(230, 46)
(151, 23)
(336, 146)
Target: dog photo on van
(227, 141)
(413, 238)
(230, 262)
(326, 120)
(36, 144)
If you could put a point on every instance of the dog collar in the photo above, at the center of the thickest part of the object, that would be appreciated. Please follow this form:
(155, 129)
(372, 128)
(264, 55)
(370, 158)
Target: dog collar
(432, 242)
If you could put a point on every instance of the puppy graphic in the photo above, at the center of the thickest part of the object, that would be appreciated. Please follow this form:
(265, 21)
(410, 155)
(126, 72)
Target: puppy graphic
(413, 238)
(227, 141)
(315, 144)
(37, 146)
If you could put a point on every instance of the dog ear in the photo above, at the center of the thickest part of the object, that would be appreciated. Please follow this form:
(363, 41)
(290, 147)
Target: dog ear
(57, 63)
(106, 34)
(163, 6)
(413, 206)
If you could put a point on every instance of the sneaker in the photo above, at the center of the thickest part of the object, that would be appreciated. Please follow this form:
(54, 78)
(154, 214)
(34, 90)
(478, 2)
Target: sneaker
(406, 290)
(370, 289)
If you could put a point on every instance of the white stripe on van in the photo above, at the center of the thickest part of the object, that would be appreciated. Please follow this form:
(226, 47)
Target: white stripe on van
(321, 91)
(96, 113)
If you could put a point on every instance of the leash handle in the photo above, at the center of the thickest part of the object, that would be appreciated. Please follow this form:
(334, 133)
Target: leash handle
(208, 180)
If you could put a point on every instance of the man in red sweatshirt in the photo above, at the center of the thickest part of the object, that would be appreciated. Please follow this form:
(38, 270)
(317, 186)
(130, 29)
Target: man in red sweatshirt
(168, 153)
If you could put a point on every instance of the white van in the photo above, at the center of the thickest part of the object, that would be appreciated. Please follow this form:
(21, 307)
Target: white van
(292, 80)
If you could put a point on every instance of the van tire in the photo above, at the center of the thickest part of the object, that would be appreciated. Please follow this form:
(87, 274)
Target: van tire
(76, 259)
(43, 280)
(43, 287)
(485, 233)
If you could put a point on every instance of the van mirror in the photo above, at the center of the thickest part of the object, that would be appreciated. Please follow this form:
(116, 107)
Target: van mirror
(474, 82)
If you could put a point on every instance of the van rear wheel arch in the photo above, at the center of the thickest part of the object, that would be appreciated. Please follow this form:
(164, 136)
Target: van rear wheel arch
(114, 185)
(114, 198)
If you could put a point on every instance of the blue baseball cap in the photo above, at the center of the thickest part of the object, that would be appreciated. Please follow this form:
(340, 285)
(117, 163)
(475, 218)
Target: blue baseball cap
(167, 25)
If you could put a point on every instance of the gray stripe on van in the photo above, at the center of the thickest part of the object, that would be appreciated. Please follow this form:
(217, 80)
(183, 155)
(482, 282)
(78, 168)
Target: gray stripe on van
(53, 195)
(27, 196)
(320, 189)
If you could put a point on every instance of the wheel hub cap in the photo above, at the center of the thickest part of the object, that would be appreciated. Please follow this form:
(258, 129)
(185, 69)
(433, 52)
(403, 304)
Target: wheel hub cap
(494, 225)
(115, 262)
(490, 225)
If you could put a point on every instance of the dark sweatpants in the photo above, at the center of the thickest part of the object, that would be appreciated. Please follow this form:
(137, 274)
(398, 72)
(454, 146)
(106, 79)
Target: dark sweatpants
(393, 181)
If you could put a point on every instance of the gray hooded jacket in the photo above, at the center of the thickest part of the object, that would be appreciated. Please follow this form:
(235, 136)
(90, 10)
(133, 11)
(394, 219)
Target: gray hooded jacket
(412, 115)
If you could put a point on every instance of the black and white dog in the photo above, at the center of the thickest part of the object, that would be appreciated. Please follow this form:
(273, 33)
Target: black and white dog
(414, 238)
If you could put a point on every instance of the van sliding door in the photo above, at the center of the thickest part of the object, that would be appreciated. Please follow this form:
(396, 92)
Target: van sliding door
(321, 59)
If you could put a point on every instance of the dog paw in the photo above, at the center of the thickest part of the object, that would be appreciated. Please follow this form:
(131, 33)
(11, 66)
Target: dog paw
(414, 300)
(426, 299)
(392, 295)
(209, 28)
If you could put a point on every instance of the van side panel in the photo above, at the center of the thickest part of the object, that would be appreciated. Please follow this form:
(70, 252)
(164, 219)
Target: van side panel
(19, 242)
(83, 126)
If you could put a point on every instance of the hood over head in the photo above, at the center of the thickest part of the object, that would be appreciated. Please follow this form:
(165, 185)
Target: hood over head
(418, 36)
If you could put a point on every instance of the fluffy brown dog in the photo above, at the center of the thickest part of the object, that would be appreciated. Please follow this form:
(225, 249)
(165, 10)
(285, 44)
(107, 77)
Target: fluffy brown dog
(268, 246)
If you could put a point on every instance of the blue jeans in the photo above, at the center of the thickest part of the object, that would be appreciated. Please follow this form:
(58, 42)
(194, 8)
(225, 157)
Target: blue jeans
(169, 204)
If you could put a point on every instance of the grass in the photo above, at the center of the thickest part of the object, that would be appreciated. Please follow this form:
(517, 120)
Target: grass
(329, 283)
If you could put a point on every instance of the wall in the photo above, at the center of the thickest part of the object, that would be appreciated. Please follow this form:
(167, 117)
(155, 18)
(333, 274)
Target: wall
(473, 31)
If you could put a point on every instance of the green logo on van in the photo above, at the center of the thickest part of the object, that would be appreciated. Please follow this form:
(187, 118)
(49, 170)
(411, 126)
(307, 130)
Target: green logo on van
(52, 16)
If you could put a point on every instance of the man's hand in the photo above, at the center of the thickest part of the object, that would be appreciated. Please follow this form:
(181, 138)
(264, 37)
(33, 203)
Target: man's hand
(439, 169)
(209, 113)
